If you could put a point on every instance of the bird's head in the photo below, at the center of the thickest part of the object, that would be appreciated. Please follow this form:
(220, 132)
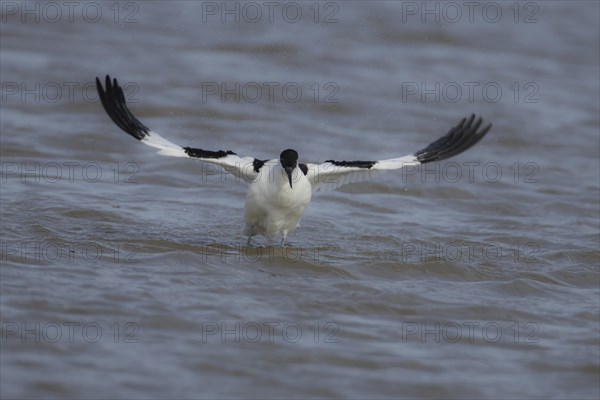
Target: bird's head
(289, 160)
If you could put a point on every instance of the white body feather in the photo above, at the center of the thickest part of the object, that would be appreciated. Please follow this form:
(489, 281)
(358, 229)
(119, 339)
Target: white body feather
(272, 207)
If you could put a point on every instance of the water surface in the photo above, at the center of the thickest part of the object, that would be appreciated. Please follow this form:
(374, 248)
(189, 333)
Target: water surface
(125, 274)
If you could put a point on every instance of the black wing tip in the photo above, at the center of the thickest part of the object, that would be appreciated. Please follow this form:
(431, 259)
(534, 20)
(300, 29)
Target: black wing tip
(459, 139)
(353, 164)
(201, 153)
(113, 100)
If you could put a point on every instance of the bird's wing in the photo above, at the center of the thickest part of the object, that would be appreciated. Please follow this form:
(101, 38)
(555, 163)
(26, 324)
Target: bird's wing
(332, 174)
(113, 100)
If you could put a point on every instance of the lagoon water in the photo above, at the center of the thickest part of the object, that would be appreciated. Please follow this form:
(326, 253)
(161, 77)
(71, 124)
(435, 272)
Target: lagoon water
(125, 274)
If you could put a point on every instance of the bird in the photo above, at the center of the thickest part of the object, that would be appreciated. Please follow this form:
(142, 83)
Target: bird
(281, 188)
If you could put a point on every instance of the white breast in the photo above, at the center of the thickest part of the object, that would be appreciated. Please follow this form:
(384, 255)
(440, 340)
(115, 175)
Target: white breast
(272, 207)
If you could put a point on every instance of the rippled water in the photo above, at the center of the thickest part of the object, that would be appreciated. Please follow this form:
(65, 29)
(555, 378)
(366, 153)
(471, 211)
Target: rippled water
(124, 274)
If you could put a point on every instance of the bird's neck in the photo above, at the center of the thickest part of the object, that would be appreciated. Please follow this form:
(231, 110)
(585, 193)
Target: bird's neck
(282, 178)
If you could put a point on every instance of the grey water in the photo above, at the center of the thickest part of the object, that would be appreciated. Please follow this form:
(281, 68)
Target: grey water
(125, 274)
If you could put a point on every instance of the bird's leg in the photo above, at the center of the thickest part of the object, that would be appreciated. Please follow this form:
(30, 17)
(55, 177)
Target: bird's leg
(283, 237)
(250, 236)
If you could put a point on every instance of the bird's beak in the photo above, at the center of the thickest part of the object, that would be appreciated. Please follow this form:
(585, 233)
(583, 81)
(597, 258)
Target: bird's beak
(288, 171)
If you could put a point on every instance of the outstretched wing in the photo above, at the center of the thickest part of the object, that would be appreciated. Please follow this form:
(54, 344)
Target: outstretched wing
(113, 100)
(332, 174)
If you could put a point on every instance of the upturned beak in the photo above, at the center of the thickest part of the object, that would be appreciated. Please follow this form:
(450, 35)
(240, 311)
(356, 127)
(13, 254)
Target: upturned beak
(288, 171)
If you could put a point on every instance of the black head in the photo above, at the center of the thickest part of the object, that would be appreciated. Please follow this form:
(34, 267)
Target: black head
(289, 160)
